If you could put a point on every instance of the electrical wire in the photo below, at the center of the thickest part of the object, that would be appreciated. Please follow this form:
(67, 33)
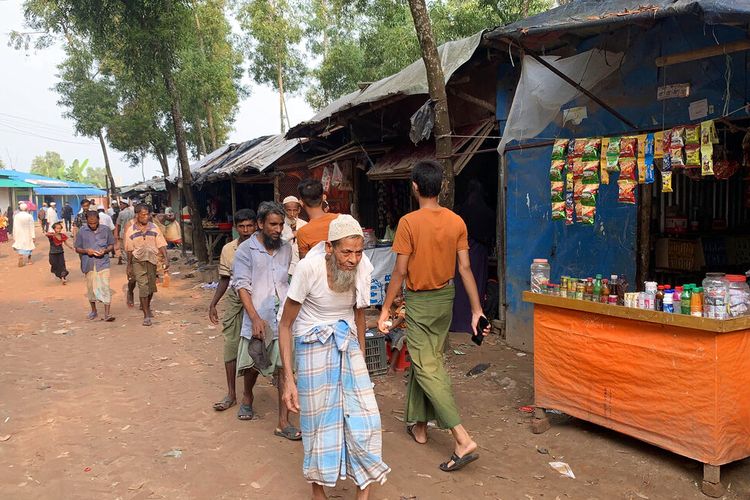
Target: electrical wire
(19, 131)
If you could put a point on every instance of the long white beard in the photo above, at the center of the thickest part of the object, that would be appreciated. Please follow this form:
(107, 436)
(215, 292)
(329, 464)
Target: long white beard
(342, 280)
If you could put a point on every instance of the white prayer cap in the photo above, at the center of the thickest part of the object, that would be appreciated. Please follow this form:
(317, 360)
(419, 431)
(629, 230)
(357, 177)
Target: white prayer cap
(100, 207)
(344, 226)
(291, 199)
(52, 203)
(22, 206)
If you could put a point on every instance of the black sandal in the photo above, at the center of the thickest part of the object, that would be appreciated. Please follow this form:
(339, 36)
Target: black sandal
(410, 431)
(458, 462)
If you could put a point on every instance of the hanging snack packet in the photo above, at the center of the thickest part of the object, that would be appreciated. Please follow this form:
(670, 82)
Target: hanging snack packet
(692, 134)
(556, 191)
(603, 172)
(666, 182)
(569, 182)
(558, 210)
(628, 147)
(576, 147)
(591, 149)
(692, 156)
(626, 191)
(569, 208)
(556, 170)
(627, 169)
(707, 166)
(585, 214)
(708, 139)
(641, 165)
(613, 154)
(590, 172)
(589, 194)
(649, 158)
(675, 157)
(658, 144)
(560, 149)
(577, 168)
(676, 138)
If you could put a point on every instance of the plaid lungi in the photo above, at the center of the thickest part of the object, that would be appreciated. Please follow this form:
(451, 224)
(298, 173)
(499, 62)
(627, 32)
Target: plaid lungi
(339, 415)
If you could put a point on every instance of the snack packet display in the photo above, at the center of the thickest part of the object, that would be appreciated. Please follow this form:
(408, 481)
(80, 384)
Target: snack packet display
(613, 154)
(585, 214)
(603, 172)
(588, 195)
(627, 169)
(628, 147)
(692, 156)
(692, 134)
(649, 158)
(569, 208)
(666, 182)
(641, 164)
(576, 147)
(590, 174)
(591, 149)
(707, 141)
(626, 191)
(569, 182)
(556, 191)
(658, 144)
(577, 168)
(560, 150)
(676, 139)
(675, 157)
(558, 210)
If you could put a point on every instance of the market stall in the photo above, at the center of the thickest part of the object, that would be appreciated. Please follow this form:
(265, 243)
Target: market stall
(676, 381)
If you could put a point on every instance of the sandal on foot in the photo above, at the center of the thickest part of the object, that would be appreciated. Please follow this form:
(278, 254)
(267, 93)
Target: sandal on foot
(225, 404)
(458, 462)
(146, 321)
(92, 315)
(108, 319)
(410, 431)
(245, 413)
(289, 432)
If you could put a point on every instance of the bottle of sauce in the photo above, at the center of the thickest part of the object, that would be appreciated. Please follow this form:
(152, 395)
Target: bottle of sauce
(605, 291)
(613, 284)
(685, 297)
(622, 288)
(659, 301)
(588, 291)
(696, 303)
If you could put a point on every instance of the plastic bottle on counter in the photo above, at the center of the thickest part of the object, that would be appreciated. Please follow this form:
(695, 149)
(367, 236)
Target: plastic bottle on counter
(676, 300)
(622, 288)
(668, 304)
(588, 292)
(715, 296)
(696, 303)
(650, 295)
(685, 297)
(540, 273)
(613, 285)
(659, 298)
(597, 288)
(605, 291)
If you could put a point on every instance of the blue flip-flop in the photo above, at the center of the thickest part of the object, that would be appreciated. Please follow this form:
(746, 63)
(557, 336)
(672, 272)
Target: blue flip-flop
(246, 412)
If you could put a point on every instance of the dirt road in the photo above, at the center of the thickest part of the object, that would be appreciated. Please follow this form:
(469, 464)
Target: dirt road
(93, 410)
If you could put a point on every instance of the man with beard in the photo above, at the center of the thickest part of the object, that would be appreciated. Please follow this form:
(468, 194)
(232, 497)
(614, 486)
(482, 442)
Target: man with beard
(261, 280)
(339, 416)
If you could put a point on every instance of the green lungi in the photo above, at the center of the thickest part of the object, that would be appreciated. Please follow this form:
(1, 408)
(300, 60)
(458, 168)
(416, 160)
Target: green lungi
(429, 395)
(231, 324)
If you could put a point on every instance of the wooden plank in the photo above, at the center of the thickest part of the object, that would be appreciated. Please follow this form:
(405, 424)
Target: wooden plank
(657, 317)
(703, 53)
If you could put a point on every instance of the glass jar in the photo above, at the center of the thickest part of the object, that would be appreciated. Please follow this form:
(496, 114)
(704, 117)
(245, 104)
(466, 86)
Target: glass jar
(716, 296)
(540, 273)
(739, 295)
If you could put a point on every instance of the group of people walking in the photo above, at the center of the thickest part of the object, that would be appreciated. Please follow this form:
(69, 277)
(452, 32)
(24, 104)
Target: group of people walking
(295, 311)
(96, 237)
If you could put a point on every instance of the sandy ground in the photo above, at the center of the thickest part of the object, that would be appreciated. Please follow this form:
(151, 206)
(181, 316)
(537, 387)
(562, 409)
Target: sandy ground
(91, 410)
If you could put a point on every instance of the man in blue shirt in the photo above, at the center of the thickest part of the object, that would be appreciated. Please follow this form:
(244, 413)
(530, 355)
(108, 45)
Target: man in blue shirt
(94, 243)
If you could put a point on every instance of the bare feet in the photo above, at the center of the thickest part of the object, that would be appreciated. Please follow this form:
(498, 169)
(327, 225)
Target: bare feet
(318, 493)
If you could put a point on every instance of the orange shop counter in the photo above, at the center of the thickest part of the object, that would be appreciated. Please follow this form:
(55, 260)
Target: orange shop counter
(679, 382)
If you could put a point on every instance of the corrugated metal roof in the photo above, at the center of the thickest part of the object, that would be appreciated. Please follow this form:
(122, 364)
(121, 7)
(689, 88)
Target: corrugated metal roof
(256, 154)
(155, 184)
(605, 14)
(411, 80)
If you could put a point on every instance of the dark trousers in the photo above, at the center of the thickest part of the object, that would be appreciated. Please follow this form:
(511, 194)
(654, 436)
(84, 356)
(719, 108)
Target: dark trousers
(68, 223)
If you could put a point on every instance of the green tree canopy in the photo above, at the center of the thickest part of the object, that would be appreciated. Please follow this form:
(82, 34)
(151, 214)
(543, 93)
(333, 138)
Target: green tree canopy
(50, 164)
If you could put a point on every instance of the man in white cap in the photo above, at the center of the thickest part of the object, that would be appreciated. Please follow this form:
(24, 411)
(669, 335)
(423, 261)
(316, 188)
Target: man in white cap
(52, 217)
(324, 314)
(23, 234)
(292, 223)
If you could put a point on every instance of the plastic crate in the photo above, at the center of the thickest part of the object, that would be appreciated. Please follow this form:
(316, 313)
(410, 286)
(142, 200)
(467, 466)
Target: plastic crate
(376, 356)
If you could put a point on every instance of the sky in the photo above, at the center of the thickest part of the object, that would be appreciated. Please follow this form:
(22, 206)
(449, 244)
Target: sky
(31, 122)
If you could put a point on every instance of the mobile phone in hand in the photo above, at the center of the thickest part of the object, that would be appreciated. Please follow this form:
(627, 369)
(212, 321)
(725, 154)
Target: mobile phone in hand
(478, 337)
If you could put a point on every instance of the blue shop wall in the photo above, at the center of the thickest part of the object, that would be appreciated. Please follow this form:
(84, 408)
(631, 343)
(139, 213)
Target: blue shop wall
(610, 245)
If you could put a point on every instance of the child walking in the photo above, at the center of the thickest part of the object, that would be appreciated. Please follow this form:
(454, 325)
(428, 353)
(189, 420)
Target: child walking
(56, 251)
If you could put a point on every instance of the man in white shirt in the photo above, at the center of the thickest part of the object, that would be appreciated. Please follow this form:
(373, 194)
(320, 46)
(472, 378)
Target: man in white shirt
(292, 223)
(52, 217)
(339, 416)
(104, 218)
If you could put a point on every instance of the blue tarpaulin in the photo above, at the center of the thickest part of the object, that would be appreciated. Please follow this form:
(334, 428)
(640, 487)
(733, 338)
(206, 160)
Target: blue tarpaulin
(70, 191)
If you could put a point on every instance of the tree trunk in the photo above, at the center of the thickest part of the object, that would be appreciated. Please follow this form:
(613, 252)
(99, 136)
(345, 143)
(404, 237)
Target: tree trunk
(280, 81)
(201, 140)
(436, 84)
(107, 167)
(161, 155)
(199, 239)
(211, 128)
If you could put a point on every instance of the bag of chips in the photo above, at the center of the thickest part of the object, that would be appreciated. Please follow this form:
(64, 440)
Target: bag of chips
(577, 168)
(658, 144)
(590, 172)
(569, 208)
(693, 134)
(666, 182)
(676, 138)
(556, 170)
(626, 191)
(641, 165)
(628, 147)
(708, 139)
(556, 191)
(560, 149)
(591, 149)
(589, 194)
(627, 169)
(649, 158)
(576, 147)
(569, 182)
(613, 154)
(585, 214)
(603, 172)
(558, 210)
(675, 157)
(692, 156)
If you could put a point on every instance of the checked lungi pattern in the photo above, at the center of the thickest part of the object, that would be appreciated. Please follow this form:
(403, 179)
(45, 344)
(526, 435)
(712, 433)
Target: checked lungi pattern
(339, 415)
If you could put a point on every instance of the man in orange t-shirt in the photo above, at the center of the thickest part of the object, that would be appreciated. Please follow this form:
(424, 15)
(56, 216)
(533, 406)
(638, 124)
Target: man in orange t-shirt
(428, 241)
(312, 197)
